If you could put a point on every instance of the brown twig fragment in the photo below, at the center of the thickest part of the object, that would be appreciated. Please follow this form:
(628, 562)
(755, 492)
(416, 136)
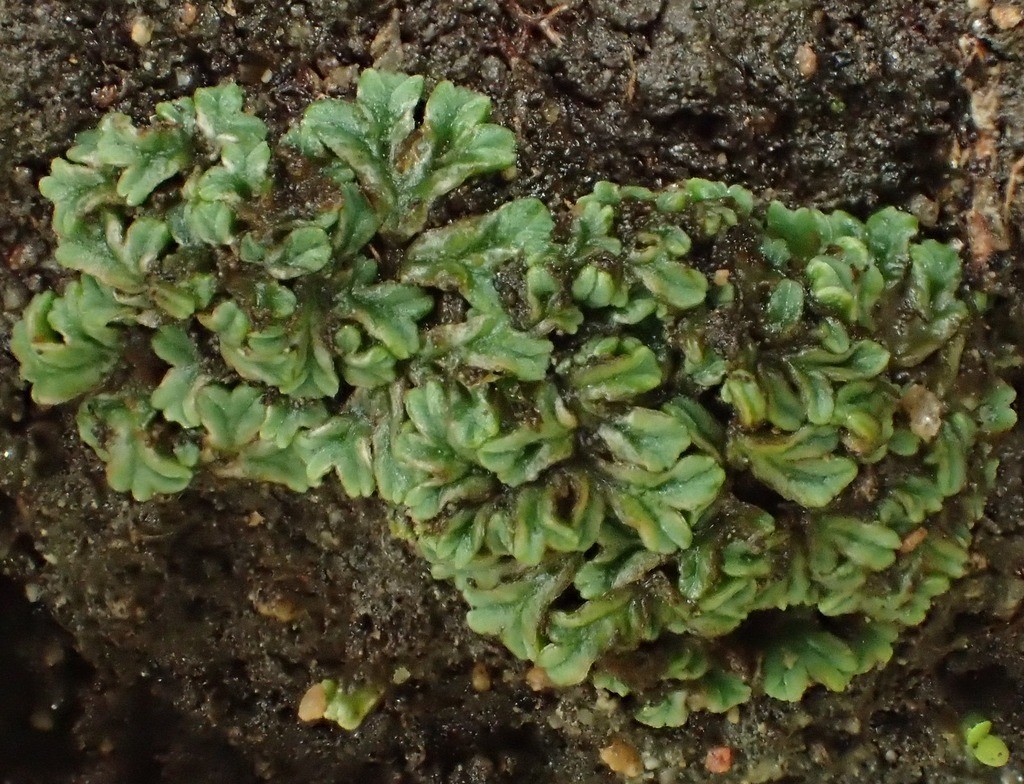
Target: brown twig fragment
(1016, 176)
(540, 23)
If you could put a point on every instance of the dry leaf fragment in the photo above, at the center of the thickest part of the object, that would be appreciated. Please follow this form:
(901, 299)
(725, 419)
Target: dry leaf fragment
(913, 540)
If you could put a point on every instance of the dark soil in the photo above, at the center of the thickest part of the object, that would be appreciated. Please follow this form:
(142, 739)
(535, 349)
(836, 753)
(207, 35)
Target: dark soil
(170, 641)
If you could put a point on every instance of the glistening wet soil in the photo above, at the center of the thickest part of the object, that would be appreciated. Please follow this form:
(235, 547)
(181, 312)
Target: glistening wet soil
(170, 641)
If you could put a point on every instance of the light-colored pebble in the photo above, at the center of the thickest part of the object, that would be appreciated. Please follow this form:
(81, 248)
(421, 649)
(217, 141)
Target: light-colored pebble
(622, 758)
(925, 210)
(481, 677)
(537, 679)
(924, 410)
(806, 61)
(718, 759)
(142, 31)
(313, 703)
(1006, 16)
(188, 14)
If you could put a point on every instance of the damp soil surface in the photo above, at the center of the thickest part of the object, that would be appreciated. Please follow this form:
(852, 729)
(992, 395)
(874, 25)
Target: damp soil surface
(171, 641)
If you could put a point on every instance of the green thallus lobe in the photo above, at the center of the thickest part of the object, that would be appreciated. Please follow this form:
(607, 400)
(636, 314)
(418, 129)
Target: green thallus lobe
(986, 748)
(682, 445)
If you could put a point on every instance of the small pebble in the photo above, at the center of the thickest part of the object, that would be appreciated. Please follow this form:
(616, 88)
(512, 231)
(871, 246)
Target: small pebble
(537, 679)
(622, 758)
(806, 61)
(313, 703)
(925, 210)
(14, 298)
(718, 759)
(341, 77)
(188, 14)
(1006, 16)
(481, 677)
(819, 754)
(104, 96)
(924, 410)
(142, 31)
(279, 609)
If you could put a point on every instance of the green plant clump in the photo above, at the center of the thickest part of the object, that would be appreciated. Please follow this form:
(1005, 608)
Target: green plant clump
(679, 443)
(986, 748)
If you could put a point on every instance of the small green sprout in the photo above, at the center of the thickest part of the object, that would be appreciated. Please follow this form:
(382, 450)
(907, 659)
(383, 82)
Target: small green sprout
(632, 437)
(344, 704)
(348, 706)
(987, 748)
